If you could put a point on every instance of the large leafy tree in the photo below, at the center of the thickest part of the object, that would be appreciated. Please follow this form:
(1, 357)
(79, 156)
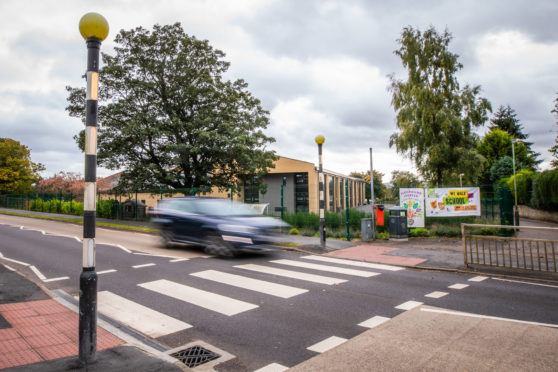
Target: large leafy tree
(402, 179)
(17, 172)
(435, 115)
(63, 182)
(554, 149)
(169, 118)
(495, 145)
(379, 187)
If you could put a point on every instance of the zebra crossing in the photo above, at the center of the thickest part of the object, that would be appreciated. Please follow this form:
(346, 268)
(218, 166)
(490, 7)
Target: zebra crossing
(156, 324)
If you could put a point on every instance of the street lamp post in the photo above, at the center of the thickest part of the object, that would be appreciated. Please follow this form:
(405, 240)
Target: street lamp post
(516, 209)
(460, 183)
(320, 140)
(94, 29)
(372, 196)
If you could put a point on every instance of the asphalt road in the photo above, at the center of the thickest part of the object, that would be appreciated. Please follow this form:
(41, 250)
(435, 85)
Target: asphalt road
(277, 314)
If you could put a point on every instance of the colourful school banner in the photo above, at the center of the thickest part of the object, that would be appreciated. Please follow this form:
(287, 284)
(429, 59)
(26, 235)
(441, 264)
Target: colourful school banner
(453, 202)
(413, 201)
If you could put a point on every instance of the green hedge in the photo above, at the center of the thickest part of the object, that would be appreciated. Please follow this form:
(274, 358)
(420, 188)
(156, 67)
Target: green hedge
(333, 221)
(57, 206)
(544, 195)
(524, 183)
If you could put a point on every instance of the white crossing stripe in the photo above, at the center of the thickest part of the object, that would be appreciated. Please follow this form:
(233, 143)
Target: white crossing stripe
(144, 265)
(458, 286)
(333, 269)
(408, 305)
(274, 289)
(273, 367)
(374, 321)
(436, 294)
(327, 344)
(368, 265)
(212, 301)
(139, 317)
(292, 274)
(478, 278)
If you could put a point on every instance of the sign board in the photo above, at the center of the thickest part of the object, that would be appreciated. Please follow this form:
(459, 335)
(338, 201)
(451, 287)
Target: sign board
(413, 201)
(453, 202)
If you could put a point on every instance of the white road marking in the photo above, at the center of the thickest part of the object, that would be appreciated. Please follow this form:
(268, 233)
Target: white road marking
(179, 260)
(374, 321)
(458, 286)
(43, 232)
(478, 278)
(529, 283)
(156, 255)
(21, 227)
(436, 294)
(261, 286)
(292, 274)
(144, 265)
(37, 272)
(124, 248)
(106, 271)
(355, 263)
(14, 261)
(9, 268)
(327, 344)
(471, 315)
(273, 367)
(333, 269)
(134, 315)
(408, 305)
(56, 279)
(78, 239)
(212, 301)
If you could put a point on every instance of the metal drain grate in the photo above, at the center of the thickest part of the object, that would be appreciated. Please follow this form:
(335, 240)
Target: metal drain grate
(195, 356)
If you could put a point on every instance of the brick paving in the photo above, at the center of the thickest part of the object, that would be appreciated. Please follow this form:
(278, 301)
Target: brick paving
(42, 330)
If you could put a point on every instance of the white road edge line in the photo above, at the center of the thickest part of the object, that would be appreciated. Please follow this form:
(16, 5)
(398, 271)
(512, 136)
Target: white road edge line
(37, 272)
(124, 248)
(106, 271)
(327, 344)
(471, 315)
(56, 279)
(529, 283)
(120, 334)
(9, 268)
(144, 265)
(78, 239)
(14, 261)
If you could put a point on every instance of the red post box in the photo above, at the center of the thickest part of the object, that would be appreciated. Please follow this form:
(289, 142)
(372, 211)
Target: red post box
(379, 214)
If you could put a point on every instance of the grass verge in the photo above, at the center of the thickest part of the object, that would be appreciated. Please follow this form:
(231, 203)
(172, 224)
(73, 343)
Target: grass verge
(79, 221)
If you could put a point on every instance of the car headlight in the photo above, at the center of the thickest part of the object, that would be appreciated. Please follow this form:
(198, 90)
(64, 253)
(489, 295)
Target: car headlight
(237, 229)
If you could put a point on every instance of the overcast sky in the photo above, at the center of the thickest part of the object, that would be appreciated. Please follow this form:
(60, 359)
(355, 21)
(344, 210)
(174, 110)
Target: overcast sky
(319, 67)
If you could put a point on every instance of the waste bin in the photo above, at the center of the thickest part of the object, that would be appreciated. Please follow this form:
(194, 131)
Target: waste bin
(366, 229)
(379, 213)
(398, 223)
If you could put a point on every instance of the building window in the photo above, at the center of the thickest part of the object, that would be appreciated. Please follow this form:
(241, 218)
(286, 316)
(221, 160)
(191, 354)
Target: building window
(251, 192)
(301, 192)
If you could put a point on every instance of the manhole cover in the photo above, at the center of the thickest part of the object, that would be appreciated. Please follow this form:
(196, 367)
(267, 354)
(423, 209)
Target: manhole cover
(195, 356)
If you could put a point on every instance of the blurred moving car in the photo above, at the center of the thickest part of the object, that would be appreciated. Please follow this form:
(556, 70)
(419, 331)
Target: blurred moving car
(223, 227)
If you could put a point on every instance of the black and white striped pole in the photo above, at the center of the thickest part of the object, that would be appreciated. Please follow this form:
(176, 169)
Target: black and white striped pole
(320, 140)
(94, 29)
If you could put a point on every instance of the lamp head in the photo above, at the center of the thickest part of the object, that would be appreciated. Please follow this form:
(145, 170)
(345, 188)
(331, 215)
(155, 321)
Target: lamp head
(319, 139)
(93, 25)
(515, 140)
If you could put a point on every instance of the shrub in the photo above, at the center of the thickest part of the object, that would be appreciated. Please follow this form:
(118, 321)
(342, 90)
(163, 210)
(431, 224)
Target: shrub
(294, 231)
(544, 194)
(418, 232)
(383, 235)
(446, 231)
(105, 208)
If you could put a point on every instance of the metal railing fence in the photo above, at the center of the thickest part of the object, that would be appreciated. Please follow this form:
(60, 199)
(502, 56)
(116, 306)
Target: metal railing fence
(522, 253)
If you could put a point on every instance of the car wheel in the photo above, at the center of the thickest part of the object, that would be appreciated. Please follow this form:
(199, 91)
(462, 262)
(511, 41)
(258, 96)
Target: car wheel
(215, 245)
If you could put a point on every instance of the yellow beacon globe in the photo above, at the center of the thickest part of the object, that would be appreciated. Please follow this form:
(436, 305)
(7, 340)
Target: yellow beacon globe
(93, 25)
(320, 139)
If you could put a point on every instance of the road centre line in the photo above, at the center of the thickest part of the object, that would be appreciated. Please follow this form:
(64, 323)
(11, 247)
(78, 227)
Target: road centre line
(471, 315)
(458, 286)
(134, 315)
(143, 265)
(409, 305)
(333, 269)
(292, 274)
(355, 263)
(529, 283)
(273, 367)
(436, 294)
(106, 271)
(374, 321)
(327, 344)
(273, 289)
(212, 301)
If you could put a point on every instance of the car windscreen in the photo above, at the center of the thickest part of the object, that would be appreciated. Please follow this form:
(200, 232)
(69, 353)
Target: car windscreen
(224, 208)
